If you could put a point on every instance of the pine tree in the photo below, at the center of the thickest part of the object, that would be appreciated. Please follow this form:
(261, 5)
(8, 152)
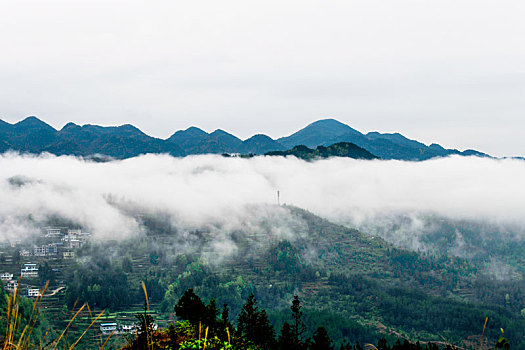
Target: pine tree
(225, 323)
(144, 338)
(210, 315)
(248, 316)
(225, 315)
(381, 345)
(286, 341)
(265, 334)
(190, 307)
(297, 327)
(254, 326)
(321, 340)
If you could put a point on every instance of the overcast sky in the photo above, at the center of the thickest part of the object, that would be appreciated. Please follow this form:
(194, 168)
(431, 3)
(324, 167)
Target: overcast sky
(446, 71)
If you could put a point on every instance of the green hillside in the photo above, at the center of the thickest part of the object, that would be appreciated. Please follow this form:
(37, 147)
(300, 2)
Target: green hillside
(341, 149)
(358, 287)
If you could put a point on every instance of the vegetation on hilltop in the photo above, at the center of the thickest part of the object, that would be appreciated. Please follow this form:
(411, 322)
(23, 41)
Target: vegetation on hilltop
(341, 149)
(359, 288)
(203, 326)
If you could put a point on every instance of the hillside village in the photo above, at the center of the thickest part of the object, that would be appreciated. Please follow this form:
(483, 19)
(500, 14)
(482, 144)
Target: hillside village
(22, 261)
(28, 265)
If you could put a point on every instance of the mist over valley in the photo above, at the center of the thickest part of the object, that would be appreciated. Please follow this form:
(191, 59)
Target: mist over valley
(272, 175)
(449, 229)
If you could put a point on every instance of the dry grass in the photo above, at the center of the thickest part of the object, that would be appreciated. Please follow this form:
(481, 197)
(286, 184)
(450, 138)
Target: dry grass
(14, 340)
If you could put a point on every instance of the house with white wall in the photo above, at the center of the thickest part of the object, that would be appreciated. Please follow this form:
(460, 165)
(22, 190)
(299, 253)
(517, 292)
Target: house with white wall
(29, 271)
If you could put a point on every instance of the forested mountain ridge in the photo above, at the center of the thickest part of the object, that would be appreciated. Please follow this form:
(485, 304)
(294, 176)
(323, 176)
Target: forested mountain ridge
(386, 146)
(359, 287)
(340, 149)
(35, 136)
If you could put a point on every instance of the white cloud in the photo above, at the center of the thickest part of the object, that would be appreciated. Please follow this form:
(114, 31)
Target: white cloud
(229, 194)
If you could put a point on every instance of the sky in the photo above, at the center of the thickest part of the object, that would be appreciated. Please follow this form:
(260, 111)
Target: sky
(447, 71)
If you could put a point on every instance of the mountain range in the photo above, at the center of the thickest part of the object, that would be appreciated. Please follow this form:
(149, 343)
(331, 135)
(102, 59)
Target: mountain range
(33, 135)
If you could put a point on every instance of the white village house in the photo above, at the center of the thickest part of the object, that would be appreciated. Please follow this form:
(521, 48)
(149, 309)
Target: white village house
(45, 250)
(25, 252)
(39, 251)
(131, 328)
(29, 270)
(52, 232)
(11, 285)
(33, 292)
(108, 328)
(68, 255)
(6, 276)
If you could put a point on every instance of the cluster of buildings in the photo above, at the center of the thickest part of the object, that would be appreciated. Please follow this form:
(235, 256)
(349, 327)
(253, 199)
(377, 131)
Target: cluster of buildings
(115, 328)
(45, 250)
(27, 271)
(10, 283)
(54, 243)
(60, 243)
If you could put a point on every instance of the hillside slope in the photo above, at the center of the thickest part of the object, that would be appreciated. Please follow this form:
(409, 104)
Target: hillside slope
(360, 285)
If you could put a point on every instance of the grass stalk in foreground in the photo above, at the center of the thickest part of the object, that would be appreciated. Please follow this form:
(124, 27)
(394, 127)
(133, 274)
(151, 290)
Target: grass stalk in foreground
(13, 323)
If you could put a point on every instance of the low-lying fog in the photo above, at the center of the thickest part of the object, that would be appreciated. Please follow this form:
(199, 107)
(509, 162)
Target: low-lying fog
(240, 194)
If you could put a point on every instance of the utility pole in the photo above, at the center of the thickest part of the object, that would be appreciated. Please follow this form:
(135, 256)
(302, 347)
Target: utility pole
(278, 198)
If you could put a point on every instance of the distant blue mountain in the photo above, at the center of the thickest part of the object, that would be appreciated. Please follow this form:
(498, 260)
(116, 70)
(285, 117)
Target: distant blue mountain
(260, 144)
(317, 133)
(196, 141)
(34, 136)
(386, 146)
(189, 139)
(123, 141)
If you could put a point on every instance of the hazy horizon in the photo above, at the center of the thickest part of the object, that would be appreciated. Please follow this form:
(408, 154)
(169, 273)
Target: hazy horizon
(256, 133)
(384, 241)
(449, 72)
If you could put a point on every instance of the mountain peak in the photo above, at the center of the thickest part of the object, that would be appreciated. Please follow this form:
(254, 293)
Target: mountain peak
(332, 126)
(316, 133)
(225, 137)
(69, 126)
(329, 123)
(194, 129)
(33, 122)
(130, 129)
(259, 137)
(436, 146)
(220, 132)
(31, 118)
(260, 144)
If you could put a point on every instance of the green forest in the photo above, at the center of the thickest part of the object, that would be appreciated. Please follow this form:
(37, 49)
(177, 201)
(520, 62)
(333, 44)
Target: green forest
(352, 289)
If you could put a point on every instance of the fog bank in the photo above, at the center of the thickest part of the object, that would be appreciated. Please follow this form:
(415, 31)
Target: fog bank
(240, 194)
